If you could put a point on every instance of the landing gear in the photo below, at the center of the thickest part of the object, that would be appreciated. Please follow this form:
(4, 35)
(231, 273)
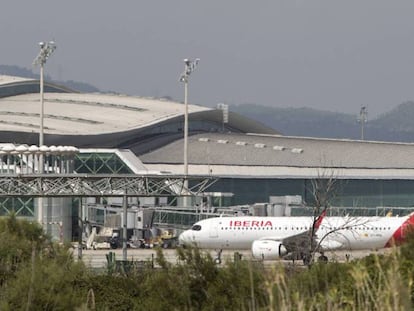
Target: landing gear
(322, 258)
(217, 260)
(307, 259)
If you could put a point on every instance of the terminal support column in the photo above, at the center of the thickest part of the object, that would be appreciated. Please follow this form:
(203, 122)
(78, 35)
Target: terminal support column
(124, 229)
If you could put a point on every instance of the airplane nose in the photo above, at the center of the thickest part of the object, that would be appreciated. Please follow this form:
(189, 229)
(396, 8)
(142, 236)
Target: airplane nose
(183, 238)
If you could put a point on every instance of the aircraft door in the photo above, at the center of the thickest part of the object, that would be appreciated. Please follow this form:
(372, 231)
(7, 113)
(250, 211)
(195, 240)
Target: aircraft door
(214, 230)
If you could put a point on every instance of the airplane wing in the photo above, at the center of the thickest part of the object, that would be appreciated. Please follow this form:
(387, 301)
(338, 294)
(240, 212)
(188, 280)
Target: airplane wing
(331, 245)
(298, 245)
(301, 242)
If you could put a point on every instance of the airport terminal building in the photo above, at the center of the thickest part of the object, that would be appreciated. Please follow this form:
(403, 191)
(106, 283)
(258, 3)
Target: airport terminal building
(124, 134)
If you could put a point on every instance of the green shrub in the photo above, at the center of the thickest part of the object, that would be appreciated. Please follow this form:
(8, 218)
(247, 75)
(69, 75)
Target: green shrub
(45, 283)
(36, 274)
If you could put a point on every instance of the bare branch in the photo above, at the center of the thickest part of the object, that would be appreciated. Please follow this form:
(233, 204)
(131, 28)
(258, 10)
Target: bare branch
(350, 225)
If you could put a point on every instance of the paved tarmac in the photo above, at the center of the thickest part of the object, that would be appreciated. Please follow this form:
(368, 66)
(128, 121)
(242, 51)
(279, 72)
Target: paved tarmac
(97, 258)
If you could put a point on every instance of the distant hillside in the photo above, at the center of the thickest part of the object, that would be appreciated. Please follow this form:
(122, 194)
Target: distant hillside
(25, 73)
(396, 125)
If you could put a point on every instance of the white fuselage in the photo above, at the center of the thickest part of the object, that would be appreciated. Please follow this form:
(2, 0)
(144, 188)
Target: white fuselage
(355, 233)
(333, 233)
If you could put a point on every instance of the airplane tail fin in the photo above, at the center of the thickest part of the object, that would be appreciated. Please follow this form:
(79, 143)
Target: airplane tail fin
(319, 219)
(400, 234)
(410, 219)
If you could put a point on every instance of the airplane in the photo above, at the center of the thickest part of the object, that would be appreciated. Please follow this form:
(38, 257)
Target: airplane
(271, 238)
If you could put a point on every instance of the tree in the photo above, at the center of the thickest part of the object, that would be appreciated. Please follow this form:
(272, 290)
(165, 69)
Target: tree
(18, 239)
(323, 190)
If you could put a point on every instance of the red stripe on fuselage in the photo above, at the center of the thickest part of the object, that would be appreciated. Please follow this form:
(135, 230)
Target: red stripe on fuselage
(399, 235)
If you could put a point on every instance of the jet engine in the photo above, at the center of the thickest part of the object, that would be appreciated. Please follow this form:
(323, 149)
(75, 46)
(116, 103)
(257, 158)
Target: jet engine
(268, 249)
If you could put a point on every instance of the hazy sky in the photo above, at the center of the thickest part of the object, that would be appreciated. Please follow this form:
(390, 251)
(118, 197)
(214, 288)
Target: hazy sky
(335, 55)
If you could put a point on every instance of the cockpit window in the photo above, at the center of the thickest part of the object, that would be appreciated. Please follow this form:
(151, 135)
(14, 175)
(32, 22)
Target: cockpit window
(196, 228)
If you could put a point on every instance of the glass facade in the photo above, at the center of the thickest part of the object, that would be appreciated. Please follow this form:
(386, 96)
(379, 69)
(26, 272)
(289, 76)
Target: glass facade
(100, 163)
(22, 207)
(361, 196)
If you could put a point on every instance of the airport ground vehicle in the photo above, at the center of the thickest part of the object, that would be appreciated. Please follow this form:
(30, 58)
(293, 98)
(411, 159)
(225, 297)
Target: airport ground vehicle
(170, 242)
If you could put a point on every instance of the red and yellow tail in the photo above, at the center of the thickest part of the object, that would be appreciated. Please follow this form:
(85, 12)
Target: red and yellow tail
(400, 234)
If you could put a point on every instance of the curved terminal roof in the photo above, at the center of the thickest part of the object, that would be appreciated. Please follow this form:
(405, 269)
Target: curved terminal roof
(86, 114)
(97, 120)
(8, 80)
(10, 85)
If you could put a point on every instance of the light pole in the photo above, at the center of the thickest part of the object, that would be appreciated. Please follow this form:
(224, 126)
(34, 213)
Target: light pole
(46, 49)
(225, 109)
(190, 66)
(363, 119)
